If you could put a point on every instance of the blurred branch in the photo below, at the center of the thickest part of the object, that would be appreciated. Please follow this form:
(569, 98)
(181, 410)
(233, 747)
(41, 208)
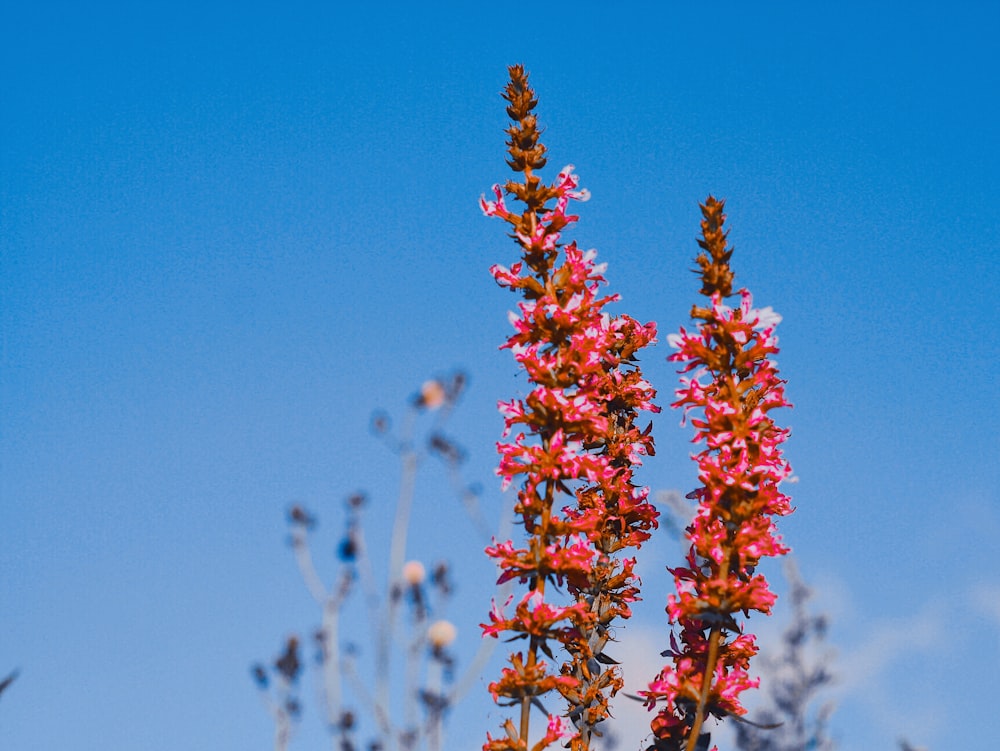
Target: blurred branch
(5, 683)
(422, 643)
(281, 699)
(793, 678)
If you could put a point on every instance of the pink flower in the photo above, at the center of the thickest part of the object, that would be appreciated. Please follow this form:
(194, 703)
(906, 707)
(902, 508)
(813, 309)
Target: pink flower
(493, 208)
(557, 729)
(568, 182)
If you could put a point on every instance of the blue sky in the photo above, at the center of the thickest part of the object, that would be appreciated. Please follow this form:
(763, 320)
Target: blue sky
(228, 233)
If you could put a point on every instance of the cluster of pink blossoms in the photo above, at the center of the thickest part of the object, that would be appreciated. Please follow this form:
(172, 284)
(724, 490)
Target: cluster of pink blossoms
(571, 437)
(731, 390)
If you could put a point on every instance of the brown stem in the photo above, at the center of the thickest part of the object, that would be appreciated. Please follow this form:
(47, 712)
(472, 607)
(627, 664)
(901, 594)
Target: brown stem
(539, 587)
(526, 709)
(706, 687)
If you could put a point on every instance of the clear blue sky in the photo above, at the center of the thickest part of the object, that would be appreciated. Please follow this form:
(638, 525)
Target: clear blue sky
(229, 232)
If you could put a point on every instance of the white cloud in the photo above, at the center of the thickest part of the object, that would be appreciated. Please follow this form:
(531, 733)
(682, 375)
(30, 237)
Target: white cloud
(986, 599)
(886, 641)
(868, 675)
(638, 651)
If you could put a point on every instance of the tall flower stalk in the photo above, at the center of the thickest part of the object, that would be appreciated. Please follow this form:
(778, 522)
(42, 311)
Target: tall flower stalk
(572, 444)
(732, 387)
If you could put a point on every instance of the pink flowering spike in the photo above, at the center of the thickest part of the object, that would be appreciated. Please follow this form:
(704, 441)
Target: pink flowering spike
(571, 445)
(730, 393)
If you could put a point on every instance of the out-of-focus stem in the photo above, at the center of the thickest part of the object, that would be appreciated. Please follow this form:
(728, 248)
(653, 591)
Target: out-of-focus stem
(401, 524)
(397, 550)
(281, 731)
(435, 725)
(413, 670)
(331, 663)
(331, 603)
(486, 646)
(363, 563)
(470, 504)
(282, 721)
(304, 560)
(363, 695)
